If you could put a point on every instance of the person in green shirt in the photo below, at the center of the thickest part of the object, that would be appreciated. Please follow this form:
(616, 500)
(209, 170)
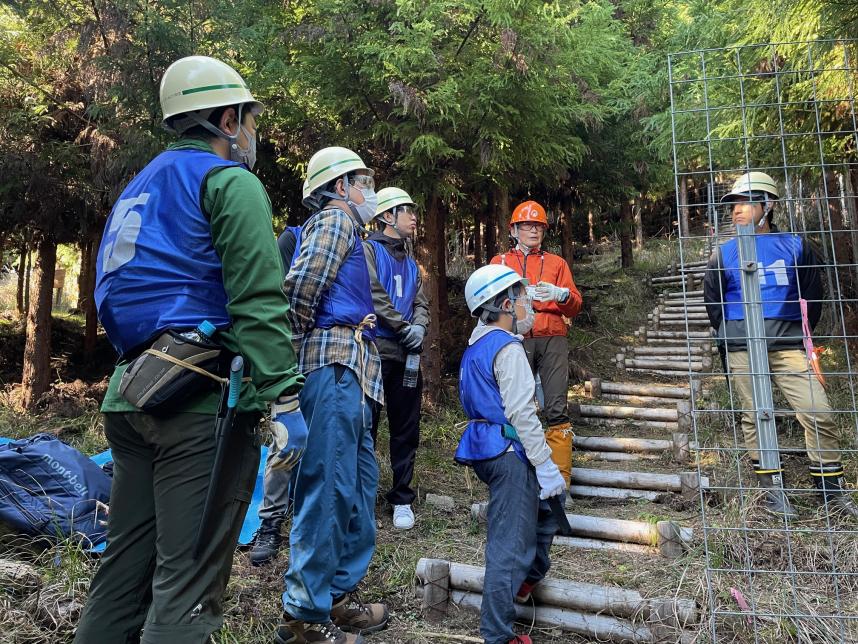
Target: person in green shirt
(188, 245)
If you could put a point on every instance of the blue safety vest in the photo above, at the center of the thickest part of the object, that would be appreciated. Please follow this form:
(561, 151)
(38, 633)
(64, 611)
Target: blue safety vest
(481, 399)
(157, 268)
(777, 256)
(399, 279)
(349, 298)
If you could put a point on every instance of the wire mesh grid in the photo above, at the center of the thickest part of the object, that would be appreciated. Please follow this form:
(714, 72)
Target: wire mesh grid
(780, 293)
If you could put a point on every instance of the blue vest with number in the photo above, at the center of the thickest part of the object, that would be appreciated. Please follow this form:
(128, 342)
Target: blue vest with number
(349, 299)
(483, 438)
(777, 256)
(157, 267)
(399, 279)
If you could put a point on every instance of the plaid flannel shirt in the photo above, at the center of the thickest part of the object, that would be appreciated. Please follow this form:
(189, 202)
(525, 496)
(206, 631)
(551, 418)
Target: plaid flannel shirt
(326, 241)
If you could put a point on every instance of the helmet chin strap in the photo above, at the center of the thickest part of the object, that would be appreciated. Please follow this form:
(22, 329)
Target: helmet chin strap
(766, 209)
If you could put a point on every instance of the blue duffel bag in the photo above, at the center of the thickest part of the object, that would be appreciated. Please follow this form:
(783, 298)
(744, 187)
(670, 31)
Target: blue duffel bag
(48, 488)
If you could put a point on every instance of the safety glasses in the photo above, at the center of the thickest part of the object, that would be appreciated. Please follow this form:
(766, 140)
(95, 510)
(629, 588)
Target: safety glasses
(405, 211)
(530, 226)
(362, 181)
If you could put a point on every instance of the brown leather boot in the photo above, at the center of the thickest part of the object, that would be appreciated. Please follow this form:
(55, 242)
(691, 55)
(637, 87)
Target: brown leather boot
(353, 616)
(295, 631)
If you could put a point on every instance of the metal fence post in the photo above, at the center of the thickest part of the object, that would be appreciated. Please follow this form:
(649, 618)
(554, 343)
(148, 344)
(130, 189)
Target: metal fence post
(758, 355)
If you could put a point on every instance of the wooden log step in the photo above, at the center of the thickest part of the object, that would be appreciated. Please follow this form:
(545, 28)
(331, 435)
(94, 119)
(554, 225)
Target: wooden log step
(607, 629)
(575, 595)
(664, 538)
(633, 363)
(704, 358)
(667, 373)
(618, 457)
(622, 444)
(597, 386)
(611, 411)
(633, 480)
(673, 279)
(693, 301)
(694, 349)
(680, 295)
(627, 422)
(623, 494)
(678, 342)
(702, 335)
(662, 316)
(681, 308)
(638, 401)
(599, 544)
(693, 322)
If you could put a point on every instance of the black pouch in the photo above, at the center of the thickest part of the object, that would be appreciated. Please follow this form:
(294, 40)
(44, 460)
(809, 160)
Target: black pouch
(160, 379)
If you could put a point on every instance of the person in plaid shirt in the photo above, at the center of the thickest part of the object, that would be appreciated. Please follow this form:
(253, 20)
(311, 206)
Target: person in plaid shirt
(332, 317)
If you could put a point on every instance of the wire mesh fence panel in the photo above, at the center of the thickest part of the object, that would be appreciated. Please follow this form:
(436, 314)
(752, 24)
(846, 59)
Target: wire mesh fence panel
(765, 144)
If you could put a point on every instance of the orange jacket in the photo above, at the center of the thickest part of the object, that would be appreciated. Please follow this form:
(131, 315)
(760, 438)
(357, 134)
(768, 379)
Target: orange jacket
(538, 267)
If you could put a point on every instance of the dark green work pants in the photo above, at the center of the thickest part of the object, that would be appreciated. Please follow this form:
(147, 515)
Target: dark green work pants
(148, 578)
(549, 357)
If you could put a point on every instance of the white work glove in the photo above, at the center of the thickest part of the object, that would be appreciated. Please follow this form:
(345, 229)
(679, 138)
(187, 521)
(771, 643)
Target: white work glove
(550, 479)
(548, 292)
(289, 432)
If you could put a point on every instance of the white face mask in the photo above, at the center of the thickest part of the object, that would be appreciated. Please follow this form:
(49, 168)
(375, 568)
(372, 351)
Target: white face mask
(365, 210)
(247, 156)
(525, 325)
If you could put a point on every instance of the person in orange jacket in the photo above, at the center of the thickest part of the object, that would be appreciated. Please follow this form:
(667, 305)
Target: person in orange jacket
(556, 301)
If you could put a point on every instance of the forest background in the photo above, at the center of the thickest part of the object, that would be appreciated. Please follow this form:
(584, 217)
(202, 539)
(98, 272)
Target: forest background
(471, 106)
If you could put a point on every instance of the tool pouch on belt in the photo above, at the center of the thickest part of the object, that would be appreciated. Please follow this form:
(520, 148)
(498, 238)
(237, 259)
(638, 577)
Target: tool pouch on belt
(171, 370)
(559, 439)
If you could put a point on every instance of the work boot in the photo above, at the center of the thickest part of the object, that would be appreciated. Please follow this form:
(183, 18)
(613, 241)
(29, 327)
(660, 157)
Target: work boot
(294, 631)
(835, 494)
(775, 500)
(266, 542)
(354, 617)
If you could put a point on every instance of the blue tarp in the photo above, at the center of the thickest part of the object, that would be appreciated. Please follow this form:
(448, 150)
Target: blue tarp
(251, 520)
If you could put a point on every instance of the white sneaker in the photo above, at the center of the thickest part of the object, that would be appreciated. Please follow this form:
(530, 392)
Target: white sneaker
(403, 517)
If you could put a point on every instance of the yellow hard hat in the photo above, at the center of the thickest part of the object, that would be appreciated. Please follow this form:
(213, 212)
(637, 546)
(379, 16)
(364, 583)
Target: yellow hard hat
(197, 83)
(752, 182)
(329, 164)
(389, 198)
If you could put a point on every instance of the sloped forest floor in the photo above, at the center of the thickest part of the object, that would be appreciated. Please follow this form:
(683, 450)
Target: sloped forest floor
(616, 303)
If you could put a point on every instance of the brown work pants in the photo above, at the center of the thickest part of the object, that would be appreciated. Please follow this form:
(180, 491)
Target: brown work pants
(791, 374)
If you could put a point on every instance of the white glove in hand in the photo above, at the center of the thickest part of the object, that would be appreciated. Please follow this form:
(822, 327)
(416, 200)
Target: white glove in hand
(548, 292)
(551, 482)
(289, 432)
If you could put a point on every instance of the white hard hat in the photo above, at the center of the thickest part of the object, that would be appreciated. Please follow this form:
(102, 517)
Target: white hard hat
(486, 282)
(750, 183)
(389, 198)
(329, 164)
(197, 83)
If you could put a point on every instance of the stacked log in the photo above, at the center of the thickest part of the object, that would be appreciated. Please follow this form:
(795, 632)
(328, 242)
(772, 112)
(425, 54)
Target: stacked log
(598, 612)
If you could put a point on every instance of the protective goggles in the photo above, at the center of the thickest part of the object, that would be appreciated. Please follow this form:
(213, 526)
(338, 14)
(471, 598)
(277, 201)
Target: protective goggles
(362, 181)
(525, 297)
(405, 210)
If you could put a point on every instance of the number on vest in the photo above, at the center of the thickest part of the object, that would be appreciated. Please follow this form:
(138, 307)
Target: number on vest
(778, 269)
(124, 228)
(398, 280)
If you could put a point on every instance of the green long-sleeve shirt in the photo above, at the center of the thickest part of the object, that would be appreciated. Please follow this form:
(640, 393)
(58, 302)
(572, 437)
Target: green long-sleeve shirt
(239, 211)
